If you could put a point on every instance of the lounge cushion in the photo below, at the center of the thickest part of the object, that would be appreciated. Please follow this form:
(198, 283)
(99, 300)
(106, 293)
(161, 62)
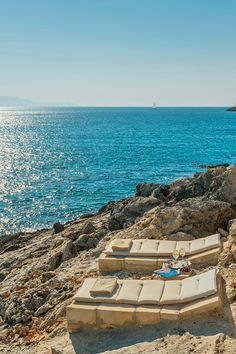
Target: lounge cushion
(134, 249)
(151, 292)
(165, 248)
(121, 244)
(184, 244)
(83, 294)
(157, 292)
(103, 287)
(149, 247)
(171, 292)
(189, 289)
(130, 291)
(204, 244)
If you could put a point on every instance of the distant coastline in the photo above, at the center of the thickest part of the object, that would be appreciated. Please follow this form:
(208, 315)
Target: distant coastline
(232, 109)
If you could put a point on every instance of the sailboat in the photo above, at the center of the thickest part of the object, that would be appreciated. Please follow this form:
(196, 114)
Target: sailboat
(154, 105)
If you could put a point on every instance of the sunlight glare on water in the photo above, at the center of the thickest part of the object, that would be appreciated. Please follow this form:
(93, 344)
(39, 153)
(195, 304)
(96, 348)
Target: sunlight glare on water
(57, 163)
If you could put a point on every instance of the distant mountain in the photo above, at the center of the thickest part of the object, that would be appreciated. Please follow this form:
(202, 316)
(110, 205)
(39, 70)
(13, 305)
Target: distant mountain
(232, 109)
(10, 101)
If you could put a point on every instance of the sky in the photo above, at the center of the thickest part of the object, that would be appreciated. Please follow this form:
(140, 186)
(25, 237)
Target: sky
(119, 52)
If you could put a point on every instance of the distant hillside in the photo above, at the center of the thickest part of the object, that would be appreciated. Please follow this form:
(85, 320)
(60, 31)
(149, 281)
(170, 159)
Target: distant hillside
(10, 101)
(232, 109)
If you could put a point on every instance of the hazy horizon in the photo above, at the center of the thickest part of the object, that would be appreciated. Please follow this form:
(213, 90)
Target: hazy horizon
(30, 104)
(112, 53)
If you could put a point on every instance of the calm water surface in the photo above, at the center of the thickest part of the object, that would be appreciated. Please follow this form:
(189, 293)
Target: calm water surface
(57, 163)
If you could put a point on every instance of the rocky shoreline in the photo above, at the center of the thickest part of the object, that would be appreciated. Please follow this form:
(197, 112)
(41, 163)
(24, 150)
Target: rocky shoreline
(41, 271)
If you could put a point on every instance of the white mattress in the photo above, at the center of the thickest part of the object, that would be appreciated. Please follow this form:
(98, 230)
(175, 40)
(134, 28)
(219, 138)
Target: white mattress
(156, 292)
(154, 248)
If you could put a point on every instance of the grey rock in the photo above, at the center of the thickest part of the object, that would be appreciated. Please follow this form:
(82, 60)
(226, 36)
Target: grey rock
(88, 228)
(55, 261)
(58, 227)
(81, 242)
(213, 165)
(85, 242)
(46, 276)
(161, 192)
(2, 276)
(69, 251)
(145, 189)
(36, 301)
(126, 214)
(200, 216)
(181, 236)
(222, 232)
(106, 207)
(224, 239)
(101, 233)
(92, 243)
(43, 309)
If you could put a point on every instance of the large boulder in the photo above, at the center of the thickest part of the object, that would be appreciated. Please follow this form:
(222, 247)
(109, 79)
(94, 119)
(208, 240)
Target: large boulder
(198, 217)
(125, 215)
(197, 186)
(145, 189)
(217, 183)
(223, 186)
(58, 227)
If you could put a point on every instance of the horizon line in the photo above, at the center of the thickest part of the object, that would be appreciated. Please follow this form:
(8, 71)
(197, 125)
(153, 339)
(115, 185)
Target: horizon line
(115, 106)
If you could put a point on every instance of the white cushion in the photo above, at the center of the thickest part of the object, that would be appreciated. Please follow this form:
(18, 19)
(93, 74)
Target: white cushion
(135, 248)
(129, 292)
(154, 291)
(154, 248)
(189, 289)
(83, 294)
(204, 244)
(149, 248)
(171, 292)
(184, 244)
(121, 244)
(201, 285)
(133, 251)
(207, 283)
(166, 248)
(102, 287)
(151, 292)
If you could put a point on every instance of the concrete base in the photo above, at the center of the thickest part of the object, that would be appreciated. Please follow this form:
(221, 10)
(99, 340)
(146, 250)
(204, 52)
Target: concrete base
(149, 264)
(80, 315)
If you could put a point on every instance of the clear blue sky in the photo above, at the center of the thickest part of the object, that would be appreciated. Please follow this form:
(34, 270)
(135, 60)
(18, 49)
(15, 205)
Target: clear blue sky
(119, 52)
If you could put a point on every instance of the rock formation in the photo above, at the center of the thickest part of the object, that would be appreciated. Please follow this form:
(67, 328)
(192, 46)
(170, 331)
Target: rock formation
(232, 109)
(41, 271)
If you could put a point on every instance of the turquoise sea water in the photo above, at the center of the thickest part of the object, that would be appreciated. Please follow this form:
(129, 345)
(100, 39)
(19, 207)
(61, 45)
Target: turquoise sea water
(57, 163)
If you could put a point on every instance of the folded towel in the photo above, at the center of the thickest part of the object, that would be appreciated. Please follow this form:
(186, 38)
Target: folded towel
(121, 244)
(168, 273)
(103, 287)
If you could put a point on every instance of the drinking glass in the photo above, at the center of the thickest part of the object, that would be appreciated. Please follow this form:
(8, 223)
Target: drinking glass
(175, 254)
(182, 252)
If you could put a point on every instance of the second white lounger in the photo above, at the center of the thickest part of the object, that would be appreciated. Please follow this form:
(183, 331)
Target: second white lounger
(146, 254)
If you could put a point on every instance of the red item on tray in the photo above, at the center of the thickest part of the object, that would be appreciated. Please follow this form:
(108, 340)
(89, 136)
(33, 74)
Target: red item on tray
(186, 269)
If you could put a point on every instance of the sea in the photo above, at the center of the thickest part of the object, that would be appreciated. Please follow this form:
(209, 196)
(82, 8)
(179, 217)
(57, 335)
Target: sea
(58, 163)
